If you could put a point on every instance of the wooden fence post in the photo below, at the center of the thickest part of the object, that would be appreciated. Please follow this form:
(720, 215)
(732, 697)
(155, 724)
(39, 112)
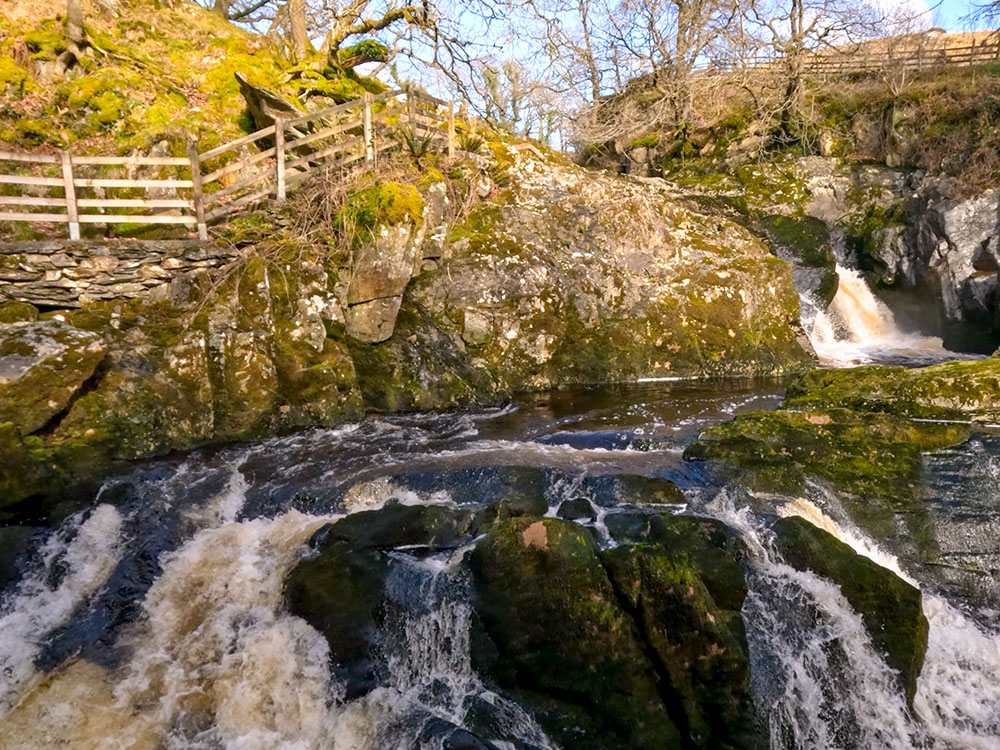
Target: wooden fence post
(451, 129)
(366, 104)
(199, 200)
(279, 157)
(411, 108)
(70, 190)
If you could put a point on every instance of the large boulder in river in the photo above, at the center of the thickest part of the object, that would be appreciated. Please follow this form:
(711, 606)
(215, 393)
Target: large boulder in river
(641, 645)
(890, 607)
(580, 277)
(559, 642)
(952, 390)
(874, 460)
(341, 590)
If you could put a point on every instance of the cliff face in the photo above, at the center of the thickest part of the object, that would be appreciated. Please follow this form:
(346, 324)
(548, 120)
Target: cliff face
(563, 276)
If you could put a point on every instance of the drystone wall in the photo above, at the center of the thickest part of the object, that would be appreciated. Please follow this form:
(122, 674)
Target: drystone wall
(61, 273)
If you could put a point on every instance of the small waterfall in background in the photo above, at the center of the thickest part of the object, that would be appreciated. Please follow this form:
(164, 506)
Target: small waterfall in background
(858, 328)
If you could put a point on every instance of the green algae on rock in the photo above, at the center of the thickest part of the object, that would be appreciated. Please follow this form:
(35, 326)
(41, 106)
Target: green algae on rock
(968, 390)
(874, 460)
(876, 455)
(42, 364)
(567, 651)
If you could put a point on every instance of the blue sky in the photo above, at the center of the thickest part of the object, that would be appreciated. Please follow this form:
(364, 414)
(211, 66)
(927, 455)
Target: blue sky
(949, 14)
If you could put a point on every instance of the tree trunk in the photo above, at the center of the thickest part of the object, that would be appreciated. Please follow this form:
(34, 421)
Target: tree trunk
(300, 38)
(222, 7)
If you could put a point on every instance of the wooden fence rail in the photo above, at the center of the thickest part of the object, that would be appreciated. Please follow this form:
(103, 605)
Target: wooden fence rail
(917, 56)
(182, 192)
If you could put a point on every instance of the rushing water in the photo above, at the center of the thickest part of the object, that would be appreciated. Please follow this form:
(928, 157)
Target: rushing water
(858, 328)
(155, 618)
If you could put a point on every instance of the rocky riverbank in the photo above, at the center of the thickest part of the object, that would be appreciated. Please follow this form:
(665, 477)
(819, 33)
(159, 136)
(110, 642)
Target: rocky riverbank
(516, 271)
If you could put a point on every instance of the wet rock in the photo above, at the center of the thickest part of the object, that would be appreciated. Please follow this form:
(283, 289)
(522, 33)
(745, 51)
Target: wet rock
(637, 490)
(873, 459)
(704, 658)
(805, 242)
(889, 606)
(42, 365)
(563, 647)
(437, 732)
(953, 390)
(870, 454)
(711, 547)
(13, 546)
(577, 509)
(341, 590)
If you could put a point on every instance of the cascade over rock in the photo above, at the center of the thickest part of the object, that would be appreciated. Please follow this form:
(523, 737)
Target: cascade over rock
(890, 607)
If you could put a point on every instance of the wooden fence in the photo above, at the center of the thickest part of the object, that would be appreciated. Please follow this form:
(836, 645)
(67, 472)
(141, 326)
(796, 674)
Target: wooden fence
(182, 192)
(869, 57)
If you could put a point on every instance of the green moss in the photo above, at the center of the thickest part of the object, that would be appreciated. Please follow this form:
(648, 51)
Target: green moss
(13, 78)
(386, 203)
(47, 42)
(371, 49)
(651, 140)
(873, 459)
(953, 390)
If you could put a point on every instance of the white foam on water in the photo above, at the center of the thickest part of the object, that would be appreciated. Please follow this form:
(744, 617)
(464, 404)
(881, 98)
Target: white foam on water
(958, 694)
(216, 660)
(75, 562)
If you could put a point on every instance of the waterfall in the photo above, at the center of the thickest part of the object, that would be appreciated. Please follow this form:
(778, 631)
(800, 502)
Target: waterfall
(858, 328)
(820, 680)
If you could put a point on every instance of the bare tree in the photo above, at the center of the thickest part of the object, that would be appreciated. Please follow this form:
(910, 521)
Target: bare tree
(791, 30)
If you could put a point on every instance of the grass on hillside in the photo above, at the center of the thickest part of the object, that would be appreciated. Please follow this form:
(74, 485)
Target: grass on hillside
(154, 71)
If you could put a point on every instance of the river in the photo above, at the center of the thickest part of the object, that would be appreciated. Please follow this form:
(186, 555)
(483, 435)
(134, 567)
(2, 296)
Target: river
(155, 616)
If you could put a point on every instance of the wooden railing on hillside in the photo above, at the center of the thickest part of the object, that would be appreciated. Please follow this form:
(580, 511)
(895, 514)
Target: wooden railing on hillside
(274, 159)
(868, 57)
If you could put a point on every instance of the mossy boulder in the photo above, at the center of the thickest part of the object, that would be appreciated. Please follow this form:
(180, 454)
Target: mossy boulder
(890, 607)
(805, 242)
(341, 590)
(21, 475)
(42, 365)
(871, 454)
(713, 549)
(706, 661)
(152, 403)
(968, 390)
(17, 312)
(638, 490)
(874, 460)
(556, 638)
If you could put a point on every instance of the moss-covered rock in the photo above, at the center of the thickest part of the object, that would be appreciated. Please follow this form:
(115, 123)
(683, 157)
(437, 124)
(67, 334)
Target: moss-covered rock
(706, 661)
(805, 242)
(875, 460)
(17, 312)
(560, 643)
(42, 365)
(341, 590)
(154, 402)
(952, 390)
(876, 455)
(889, 606)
